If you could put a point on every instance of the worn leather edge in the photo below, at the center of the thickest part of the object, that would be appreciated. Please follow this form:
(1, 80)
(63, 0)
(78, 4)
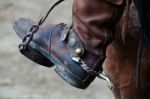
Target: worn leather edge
(116, 2)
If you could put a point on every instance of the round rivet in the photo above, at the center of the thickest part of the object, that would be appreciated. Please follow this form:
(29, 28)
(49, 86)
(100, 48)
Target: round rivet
(78, 51)
(72, 42)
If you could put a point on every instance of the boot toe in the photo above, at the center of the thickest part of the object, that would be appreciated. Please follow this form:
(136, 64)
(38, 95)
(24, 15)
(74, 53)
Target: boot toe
(22, 26)
(36, 53)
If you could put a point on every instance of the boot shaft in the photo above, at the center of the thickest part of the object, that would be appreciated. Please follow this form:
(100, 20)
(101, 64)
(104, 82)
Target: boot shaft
(94, 22)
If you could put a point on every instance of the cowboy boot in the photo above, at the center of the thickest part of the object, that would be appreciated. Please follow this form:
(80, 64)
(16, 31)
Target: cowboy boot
(78, 50)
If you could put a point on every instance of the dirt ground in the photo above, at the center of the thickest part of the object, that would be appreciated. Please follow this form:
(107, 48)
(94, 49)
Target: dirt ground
(22, 79)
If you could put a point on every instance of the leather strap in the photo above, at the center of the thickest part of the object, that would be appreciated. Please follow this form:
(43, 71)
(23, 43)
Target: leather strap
(138, 62)
(45, 13)
(28, 38)
(139, 52)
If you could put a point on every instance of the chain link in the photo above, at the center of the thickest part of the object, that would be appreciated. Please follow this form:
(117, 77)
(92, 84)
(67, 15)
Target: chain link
(28, 38)
(92, 72)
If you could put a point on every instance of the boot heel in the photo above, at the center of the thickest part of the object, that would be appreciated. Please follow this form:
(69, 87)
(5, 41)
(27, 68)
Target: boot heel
(35, 56)
(70, 78)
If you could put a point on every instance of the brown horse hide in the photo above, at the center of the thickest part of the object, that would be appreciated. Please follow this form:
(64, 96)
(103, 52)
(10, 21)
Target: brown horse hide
(120, 64)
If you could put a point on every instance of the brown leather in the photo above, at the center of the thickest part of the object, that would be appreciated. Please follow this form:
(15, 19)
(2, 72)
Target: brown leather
(94, 22)
(116, 2)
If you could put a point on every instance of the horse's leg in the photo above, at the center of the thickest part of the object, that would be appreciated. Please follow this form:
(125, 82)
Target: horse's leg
(120, 65)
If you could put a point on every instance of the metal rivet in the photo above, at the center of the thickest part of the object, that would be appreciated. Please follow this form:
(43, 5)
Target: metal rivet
(72, 42)
(78, 51)
(63, 36)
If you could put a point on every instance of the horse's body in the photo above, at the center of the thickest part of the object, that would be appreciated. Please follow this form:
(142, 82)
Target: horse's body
(120, 64)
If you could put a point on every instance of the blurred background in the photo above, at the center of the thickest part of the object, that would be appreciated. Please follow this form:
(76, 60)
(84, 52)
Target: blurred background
(20, 78)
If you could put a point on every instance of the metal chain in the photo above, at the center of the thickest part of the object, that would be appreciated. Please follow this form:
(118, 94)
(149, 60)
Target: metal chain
(28, 38)
(100, 75)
